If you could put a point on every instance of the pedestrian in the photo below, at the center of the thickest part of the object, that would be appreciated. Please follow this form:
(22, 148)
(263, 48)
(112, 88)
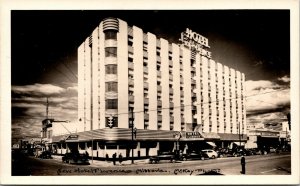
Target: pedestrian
(120, 158)
(243, 163)
(114, 156)
(86, 154)
(107, 157)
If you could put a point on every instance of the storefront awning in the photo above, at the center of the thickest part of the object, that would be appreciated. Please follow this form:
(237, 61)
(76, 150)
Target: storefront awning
(212, 136)
(239, 144)
(232, 137)
(211, 144)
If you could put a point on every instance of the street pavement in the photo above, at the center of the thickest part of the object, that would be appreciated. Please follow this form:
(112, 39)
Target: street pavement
(272, 164)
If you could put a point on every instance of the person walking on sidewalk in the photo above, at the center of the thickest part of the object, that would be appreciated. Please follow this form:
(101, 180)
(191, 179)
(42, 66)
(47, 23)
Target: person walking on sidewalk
(114, 156)
(243, 163)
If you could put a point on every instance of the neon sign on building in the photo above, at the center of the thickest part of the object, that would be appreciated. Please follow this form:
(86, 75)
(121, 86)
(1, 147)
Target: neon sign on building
(195, 41)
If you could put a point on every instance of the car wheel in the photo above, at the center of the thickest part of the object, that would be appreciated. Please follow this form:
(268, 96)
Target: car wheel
(151, 161)
(202, 158)
(221, 156)
(213, 157)
(184, 159)
(173, 160)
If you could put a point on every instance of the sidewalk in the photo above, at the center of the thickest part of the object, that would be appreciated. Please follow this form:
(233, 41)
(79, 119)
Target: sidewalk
(108, 163)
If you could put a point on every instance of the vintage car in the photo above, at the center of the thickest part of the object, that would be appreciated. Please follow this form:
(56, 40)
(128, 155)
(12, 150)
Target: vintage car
(75, 158)
(210, 153)
(45, 155)
(169, 156)
(194, 156)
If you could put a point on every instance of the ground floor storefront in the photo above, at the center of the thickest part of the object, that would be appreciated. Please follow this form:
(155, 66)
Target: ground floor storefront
(103, 143)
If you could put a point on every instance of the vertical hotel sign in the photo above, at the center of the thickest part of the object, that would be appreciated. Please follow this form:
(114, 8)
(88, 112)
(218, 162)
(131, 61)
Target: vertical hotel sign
(195, 41)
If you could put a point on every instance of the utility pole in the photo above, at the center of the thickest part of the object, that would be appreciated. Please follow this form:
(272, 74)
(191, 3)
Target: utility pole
(47, 108)
(132, 160)
(239, 133)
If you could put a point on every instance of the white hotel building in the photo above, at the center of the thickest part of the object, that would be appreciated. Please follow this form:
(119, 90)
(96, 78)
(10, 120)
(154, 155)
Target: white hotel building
(179, 97)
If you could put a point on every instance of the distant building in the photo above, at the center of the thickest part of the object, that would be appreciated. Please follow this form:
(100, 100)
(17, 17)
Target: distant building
(170, 92)
(269, 135)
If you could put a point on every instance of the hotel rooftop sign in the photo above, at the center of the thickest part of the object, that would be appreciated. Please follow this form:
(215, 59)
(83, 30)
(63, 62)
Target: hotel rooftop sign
(195, 41)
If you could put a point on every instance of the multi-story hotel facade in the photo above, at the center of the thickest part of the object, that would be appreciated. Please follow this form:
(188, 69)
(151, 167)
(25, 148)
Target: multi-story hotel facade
(175, 96)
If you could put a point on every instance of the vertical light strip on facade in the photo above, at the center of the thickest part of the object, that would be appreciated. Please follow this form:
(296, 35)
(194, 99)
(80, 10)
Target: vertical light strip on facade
(122, 39)
(95, 72)
(165, 84)
(102, 76)
(176, 87)
(152, 81)
(138, 78)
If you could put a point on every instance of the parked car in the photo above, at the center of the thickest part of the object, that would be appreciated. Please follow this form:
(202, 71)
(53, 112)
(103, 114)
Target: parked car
(169, 156)
(194, 156)
(223, 152)
(210, 153)
(254, 151)
(45, 155)
(272, 150)
(75, 158)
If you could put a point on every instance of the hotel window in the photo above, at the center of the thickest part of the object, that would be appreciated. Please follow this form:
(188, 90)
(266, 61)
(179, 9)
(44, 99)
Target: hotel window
(158, 67)
(130, 43)
(130, 59)
(111, 52)
(145, 46)
(193, 62)
(111, 104)
(158, 98)
(111, 69)
(111, 86)
(110, 35)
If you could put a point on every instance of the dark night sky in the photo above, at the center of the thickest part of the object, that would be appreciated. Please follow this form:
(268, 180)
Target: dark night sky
(242, 39)
(44, 56)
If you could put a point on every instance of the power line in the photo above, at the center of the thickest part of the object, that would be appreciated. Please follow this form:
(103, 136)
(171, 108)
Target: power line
(176, 106)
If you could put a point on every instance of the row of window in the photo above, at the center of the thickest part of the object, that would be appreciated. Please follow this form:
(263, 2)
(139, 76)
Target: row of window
(112, 51)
